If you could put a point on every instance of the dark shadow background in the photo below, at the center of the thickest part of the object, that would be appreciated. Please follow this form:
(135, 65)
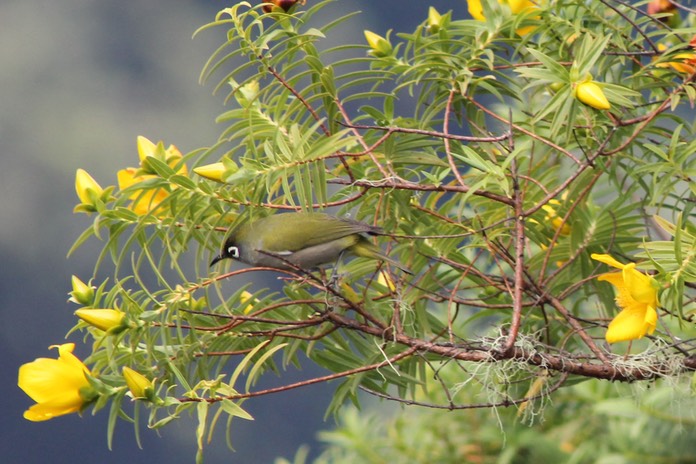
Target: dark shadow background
(79, 80)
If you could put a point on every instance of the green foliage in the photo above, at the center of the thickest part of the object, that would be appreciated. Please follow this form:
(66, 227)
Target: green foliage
(590, 422)
(493, 182)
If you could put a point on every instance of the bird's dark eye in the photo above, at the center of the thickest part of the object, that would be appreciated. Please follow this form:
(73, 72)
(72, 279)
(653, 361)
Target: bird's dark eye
(233, 251)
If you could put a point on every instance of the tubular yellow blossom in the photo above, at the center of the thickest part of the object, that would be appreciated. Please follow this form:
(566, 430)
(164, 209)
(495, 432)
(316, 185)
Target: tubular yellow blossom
(379, 45)
(139, 385)
(108, 320)
(591, 94)
(637, 298)
(86, 187)
(212, 171)
(59, 386)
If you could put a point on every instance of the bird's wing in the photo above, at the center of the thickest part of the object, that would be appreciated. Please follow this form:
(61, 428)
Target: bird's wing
(324, 228)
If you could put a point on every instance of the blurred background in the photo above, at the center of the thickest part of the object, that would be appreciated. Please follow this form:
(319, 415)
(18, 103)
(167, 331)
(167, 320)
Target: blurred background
(79, 80)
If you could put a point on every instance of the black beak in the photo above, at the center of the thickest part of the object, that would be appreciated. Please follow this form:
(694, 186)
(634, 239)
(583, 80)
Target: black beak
(217, 259)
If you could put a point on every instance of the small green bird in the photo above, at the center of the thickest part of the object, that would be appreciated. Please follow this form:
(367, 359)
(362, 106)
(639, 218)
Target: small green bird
(305, 240)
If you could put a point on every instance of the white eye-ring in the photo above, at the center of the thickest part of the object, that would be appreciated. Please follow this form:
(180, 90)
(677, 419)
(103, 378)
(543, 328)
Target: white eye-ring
(233, 251)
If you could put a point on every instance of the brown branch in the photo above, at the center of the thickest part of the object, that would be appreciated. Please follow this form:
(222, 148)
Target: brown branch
(518, 264)
(440, 135)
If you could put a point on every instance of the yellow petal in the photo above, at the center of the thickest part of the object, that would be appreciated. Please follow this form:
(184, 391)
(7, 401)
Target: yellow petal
(614, 278)
(126, 178)
(143, 201)
(59, 407)
(385, 279)
(631, 324)
(607, 259)
(651, 319)
(54, 384)
(84, 183)
(244, 298)
(642, 287)
(518, 6)
(476, 10)
(145, 147)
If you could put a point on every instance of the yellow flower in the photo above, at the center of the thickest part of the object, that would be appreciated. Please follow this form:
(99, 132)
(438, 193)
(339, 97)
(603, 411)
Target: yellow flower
(637, 298)
(385, 279)
(88, 191)
(172, 156)
(211, 171)
(139, 385)
(516, 7)
(552, 216)
(684, 63)
(592, 95)
(59, 386)
(108, 320)
(143, 202)
(148, 201)
(380, 46)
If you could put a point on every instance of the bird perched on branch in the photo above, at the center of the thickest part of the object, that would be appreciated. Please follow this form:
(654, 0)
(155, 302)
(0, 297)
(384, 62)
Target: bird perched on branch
(304, 240)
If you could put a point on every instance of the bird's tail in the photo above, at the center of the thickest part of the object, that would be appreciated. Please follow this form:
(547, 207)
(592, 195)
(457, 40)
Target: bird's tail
(367, 249)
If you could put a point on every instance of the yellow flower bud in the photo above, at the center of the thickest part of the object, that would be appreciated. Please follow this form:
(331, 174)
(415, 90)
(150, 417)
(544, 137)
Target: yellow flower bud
(88, 190)
(145, 148)
(379, 45)
(385, 279)
(81, 292)
(476, 10)
(108, 320)
(556, 222)
(434, 20)
(139, 385)
(212, 171)
(591, 94)
(246, 297)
